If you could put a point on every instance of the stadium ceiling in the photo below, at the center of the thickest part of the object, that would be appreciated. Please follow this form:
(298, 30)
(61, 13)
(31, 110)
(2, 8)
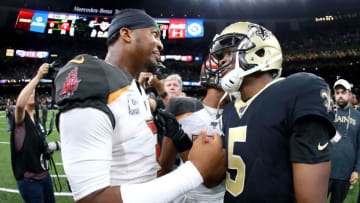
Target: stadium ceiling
(238, 9)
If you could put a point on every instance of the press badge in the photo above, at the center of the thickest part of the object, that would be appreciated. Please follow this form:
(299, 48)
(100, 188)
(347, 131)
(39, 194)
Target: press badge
(336, 138)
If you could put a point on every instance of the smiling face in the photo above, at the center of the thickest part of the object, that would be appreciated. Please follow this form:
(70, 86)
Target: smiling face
(147, 47)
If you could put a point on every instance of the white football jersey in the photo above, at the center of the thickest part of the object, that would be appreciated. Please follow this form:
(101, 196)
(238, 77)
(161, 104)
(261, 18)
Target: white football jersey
(108, 136)
(194, 116)
(135, 138)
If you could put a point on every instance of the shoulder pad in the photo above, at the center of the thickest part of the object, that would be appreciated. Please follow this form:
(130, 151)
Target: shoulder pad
(182, 105)
(87, 81)
(88, 77)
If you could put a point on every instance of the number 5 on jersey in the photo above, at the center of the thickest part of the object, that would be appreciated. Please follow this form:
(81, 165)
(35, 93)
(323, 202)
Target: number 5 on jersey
(235, 162)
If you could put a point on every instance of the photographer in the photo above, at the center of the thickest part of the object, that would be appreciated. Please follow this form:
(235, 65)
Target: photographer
(27, 147)
(9, 115)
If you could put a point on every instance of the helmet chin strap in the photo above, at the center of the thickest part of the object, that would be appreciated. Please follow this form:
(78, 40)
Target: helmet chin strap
(219, 103)
(232, 81)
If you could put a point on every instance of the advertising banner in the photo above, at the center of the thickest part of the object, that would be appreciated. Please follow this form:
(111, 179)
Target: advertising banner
(39, 21)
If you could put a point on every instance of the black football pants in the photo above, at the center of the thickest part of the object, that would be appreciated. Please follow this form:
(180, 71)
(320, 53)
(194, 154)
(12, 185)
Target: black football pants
(338, 190)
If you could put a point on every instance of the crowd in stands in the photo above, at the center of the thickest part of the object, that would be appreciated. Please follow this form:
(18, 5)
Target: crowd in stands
(329, 53)
(328, 49)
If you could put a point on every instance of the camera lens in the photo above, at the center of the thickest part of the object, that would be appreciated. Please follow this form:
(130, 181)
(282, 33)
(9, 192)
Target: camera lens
(161, 71)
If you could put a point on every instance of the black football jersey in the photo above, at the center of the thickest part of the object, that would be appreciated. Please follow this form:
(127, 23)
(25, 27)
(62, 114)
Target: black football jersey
(257, 134)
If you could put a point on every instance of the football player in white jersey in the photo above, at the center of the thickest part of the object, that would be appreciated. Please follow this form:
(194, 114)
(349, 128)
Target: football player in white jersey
(193, 115)
(106, 126)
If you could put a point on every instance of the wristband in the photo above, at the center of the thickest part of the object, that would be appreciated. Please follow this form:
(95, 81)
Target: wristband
(182, 141)
(167, 125)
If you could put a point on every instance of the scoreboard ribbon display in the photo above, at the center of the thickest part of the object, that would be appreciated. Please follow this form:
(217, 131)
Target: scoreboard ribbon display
(75, 25)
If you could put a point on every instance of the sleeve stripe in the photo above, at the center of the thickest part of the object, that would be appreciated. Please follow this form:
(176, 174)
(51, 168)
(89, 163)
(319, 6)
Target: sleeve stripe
(113, 96)
(183, 115)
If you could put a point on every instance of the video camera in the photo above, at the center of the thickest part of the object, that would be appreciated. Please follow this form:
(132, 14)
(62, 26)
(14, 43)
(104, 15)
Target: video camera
(161, 71)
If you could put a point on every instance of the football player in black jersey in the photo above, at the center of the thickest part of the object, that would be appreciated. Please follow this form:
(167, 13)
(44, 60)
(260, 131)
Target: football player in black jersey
(277, 133)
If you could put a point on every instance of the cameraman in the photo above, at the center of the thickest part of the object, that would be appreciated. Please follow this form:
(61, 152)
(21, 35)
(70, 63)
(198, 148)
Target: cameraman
(32, 177)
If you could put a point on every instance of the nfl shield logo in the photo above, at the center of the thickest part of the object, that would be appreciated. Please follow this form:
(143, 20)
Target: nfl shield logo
(213, 124)
(242, 111)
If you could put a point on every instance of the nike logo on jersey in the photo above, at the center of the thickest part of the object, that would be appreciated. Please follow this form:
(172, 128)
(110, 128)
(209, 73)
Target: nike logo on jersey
(78, 61)
(322, 147)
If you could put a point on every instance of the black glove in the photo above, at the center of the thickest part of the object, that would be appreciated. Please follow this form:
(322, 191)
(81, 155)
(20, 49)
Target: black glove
(168, 126)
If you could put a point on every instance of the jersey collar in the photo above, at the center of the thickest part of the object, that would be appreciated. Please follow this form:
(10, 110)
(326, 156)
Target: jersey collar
(242, 106)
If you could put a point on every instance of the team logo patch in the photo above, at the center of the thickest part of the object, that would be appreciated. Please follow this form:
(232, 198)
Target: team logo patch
(262, 32)
(71, 84)
(326, 96)
(133, 105)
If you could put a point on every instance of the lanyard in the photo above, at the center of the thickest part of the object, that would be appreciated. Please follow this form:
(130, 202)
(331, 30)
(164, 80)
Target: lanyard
(348, 121)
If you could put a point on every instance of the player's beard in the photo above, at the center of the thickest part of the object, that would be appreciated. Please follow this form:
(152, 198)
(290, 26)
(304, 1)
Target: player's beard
(342, 104)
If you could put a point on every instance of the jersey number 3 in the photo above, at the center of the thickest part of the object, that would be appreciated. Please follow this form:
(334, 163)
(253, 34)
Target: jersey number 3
(235, 162)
